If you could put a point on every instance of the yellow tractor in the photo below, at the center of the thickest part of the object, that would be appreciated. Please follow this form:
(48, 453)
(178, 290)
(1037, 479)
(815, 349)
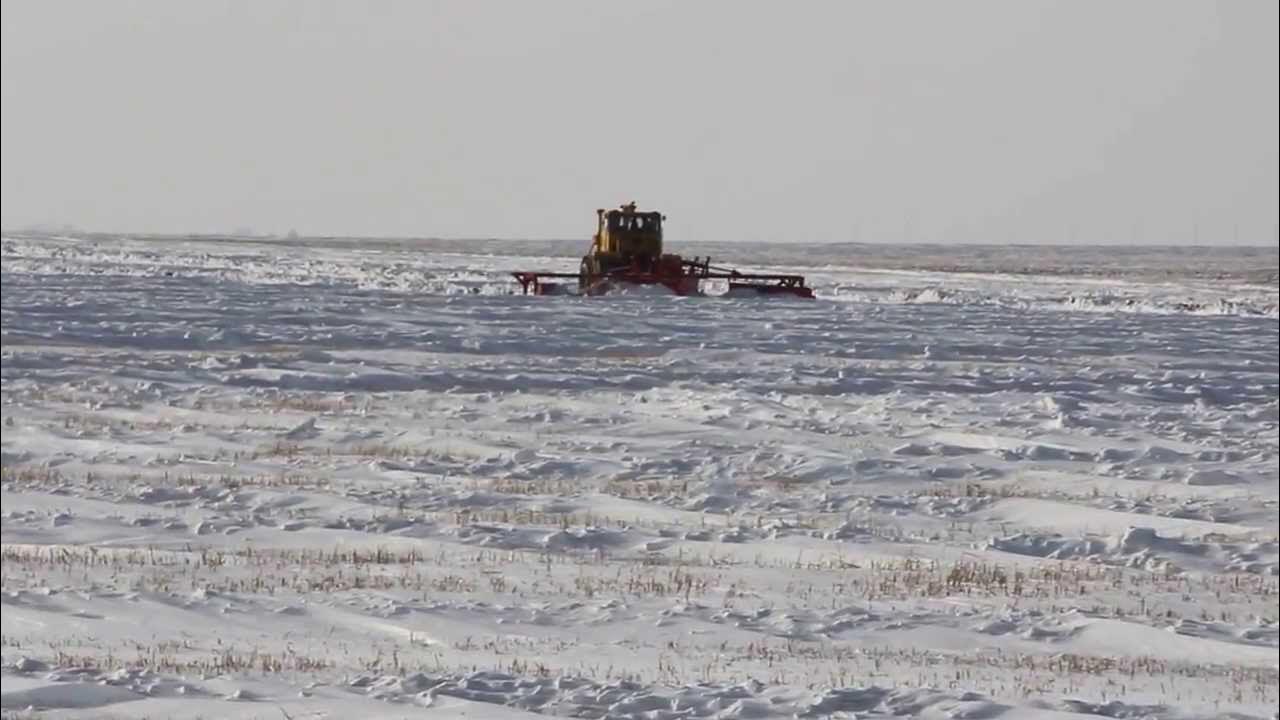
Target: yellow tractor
(627, 250)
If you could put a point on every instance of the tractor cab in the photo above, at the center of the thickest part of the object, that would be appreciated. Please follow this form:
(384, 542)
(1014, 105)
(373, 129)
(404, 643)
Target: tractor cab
(626, 233)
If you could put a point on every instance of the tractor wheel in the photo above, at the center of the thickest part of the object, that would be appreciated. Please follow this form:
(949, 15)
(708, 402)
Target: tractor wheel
(586, 274)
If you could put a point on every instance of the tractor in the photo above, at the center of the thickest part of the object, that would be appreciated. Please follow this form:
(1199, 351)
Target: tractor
(627, 251)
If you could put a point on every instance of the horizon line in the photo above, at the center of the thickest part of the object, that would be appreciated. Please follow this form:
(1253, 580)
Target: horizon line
(293, 237)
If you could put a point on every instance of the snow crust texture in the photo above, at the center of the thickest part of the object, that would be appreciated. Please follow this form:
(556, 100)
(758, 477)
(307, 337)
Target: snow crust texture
(252, 479)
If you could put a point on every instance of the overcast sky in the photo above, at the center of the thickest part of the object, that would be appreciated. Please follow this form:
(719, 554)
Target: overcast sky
(982, 120)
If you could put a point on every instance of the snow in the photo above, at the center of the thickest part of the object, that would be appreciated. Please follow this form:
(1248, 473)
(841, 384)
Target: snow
(325, 478)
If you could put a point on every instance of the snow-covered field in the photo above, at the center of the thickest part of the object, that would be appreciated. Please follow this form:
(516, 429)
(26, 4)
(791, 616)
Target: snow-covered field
(248, 479)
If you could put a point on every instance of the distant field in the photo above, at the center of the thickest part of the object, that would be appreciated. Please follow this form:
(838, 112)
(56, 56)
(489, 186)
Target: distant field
(1246, 264)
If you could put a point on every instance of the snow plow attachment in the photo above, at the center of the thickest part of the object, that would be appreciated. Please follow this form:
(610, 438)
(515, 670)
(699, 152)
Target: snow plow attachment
(535, 283)
(627, 251)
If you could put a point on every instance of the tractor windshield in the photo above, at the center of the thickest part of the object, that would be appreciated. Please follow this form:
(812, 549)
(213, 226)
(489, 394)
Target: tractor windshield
(632, 223)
